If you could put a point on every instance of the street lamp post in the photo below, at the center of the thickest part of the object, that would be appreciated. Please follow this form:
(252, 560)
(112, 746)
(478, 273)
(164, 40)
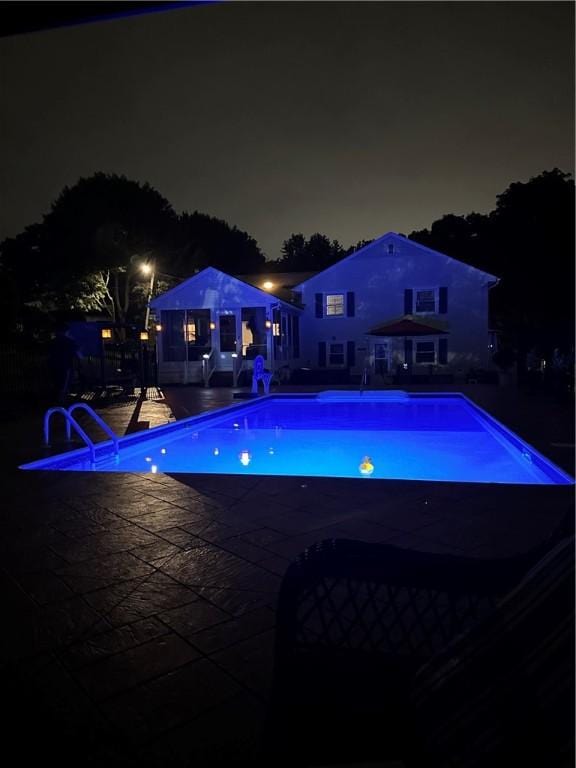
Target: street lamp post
(149, 269)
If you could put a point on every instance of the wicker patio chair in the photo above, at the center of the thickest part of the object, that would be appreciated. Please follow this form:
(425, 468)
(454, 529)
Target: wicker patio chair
(369, 638)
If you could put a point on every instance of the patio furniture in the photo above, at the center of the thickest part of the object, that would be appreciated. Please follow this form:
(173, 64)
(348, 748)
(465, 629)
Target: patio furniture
(259, 373)
(437, 660)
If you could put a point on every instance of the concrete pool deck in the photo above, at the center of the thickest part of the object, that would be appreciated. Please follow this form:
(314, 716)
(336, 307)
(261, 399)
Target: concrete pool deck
(140, 620)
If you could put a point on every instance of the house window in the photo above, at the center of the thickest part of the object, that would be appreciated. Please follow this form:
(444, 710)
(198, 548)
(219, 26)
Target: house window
(425, 352)
(334, 305)
(336, 357)
(425, 301)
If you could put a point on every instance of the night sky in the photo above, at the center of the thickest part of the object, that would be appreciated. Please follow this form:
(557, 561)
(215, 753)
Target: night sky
(350, 119)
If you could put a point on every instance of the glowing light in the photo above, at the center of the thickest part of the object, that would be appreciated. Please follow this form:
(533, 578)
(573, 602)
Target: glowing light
(212, 325)
(216, 451)
(267, 285)
(366, 467)
(236, 426)
(148, 458)
(245, 458)
(106, 333)
(206, 357)
(146, 269)
(268, 324)
(234, 354)
(154, 469)
(271, 451)
(143, 335)
(158, 327)
(162, 450)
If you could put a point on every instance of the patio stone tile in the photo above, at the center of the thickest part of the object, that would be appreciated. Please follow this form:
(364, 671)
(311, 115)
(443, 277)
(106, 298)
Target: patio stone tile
(184, 540)
(276, 564)
(233, 630)
(216, 530)
(113, 641)
(231, 734)
(31, 560)
(460, 535)
(128, 602)
(245, 549)
(250, 662)
(358, 529)
(171, 517)
(68, 621)
(292, 547)
(100, 572)
(104, 542)
(262, 536)
(131, 667)
(188, 619)
(158, 550)
(210, 566)
(45, 587)
(407, 517)
(236, 602)
(182, 695)
(144, 505)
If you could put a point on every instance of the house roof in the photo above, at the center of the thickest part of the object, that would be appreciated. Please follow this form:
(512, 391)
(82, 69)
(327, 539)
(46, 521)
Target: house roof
(400, 238)
(407, 326)
(282, 283)
(159, 301)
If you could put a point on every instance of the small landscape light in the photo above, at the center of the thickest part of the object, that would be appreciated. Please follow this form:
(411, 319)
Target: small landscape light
(106, 333)
(143, 335)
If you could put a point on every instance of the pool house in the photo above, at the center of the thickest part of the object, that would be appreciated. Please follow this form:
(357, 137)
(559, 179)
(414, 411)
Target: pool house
(214, 323)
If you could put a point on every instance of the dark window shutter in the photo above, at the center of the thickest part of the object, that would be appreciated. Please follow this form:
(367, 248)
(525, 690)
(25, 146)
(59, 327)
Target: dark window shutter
(319, 298)
(408, 301)
(443, 351)
(351, 354)
(350, 304)
(443, 301)
(322, 354)
(408, 351)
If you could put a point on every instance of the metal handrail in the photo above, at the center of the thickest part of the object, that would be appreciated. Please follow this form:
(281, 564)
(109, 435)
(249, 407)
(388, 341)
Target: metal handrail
(70, 422)
(364, 380)
(100, 421)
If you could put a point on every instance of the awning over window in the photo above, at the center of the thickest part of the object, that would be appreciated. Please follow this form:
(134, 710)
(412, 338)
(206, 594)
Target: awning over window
(407, 326)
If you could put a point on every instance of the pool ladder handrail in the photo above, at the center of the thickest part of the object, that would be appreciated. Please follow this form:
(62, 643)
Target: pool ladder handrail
(71, 422)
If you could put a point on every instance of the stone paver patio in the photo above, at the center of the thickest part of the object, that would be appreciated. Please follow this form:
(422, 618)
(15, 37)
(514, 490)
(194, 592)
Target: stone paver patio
(139, 609)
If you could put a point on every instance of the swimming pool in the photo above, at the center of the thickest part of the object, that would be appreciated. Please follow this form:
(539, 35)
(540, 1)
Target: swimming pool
(369, 435)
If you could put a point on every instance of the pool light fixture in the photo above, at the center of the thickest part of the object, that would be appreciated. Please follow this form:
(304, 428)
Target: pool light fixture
(245, 458)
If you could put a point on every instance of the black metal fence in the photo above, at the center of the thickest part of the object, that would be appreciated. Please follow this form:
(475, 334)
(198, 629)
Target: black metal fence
(25, 369)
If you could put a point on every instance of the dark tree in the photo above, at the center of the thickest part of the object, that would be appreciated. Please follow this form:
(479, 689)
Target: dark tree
(87, 252)
(209, 242)
(314, 254)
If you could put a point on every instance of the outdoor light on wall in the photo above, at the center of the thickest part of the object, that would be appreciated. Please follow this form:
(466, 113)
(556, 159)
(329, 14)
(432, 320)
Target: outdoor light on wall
(234, 354)
(267, 285)
(212, 325)
(158, 327)
(143, 335)
(206, 357)
(268, 324)
(106, 333)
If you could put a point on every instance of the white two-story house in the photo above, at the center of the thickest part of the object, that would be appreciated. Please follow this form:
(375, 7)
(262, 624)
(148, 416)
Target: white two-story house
(389, 308)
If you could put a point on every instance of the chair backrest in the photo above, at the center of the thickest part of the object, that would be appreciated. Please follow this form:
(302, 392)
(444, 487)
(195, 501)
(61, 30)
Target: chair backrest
(258, 366)
(506, 687)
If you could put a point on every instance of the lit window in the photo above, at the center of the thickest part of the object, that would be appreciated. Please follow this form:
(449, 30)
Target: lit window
(276, 329)
(334, 304)
(425, 352)
(190, 332)
(426, 300)
(336, 355)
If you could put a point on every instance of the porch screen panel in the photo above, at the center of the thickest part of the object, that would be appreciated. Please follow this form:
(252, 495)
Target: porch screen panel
(227, 333)
(198, 334)
(254, 332)
(173, 339)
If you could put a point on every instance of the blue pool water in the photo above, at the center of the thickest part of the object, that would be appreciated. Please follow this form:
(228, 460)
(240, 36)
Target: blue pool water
(382, 435)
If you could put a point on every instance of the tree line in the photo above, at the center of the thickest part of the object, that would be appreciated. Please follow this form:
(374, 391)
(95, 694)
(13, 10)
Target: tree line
(87, 252)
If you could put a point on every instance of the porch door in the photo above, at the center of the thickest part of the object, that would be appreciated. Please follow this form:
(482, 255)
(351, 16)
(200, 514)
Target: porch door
(227, 340)
(381, 358)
